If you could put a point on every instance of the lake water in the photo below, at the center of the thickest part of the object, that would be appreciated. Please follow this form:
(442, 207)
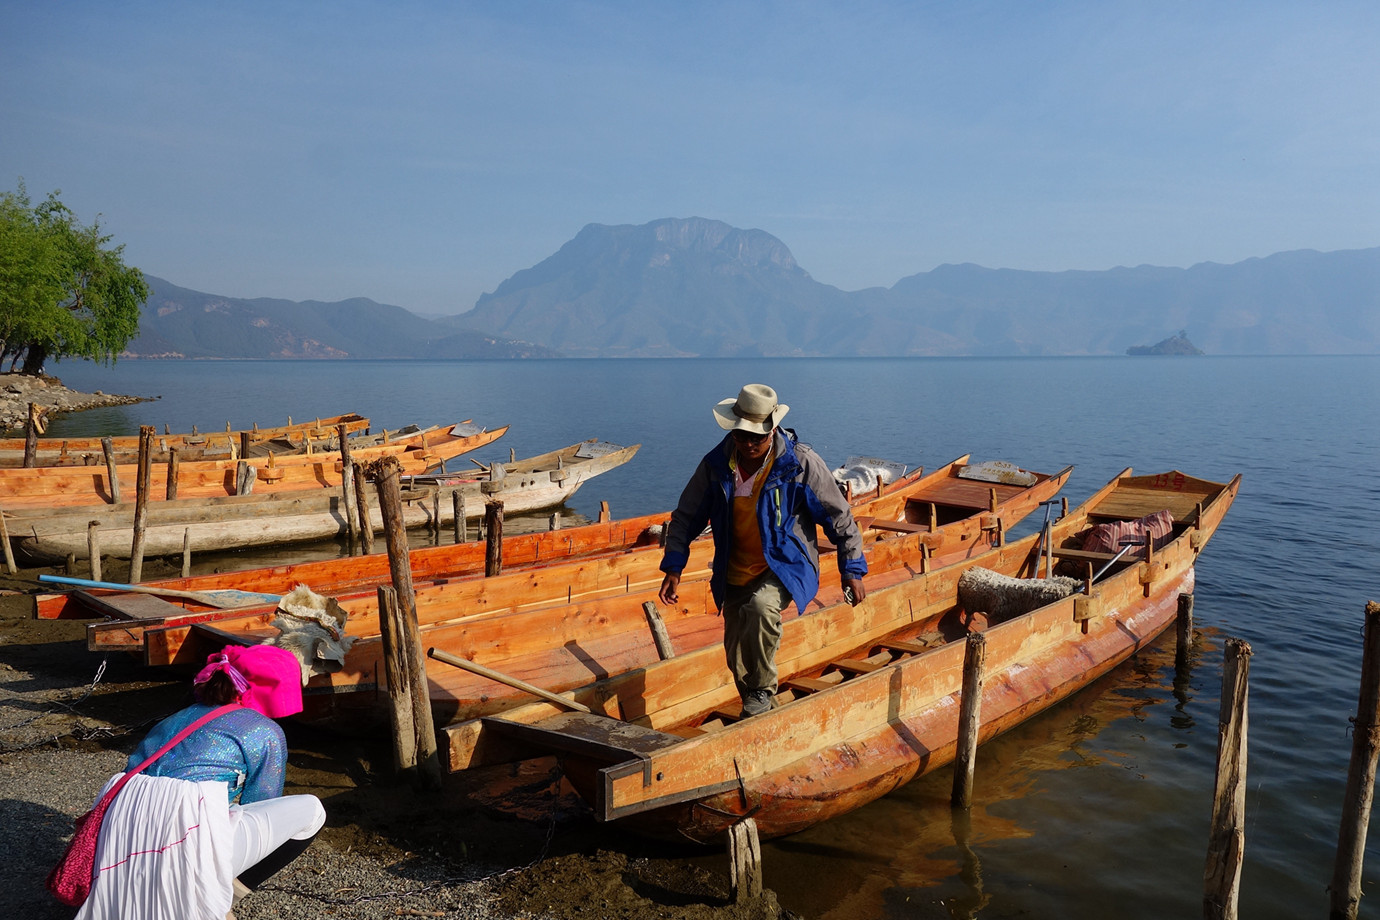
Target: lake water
(1098, 808)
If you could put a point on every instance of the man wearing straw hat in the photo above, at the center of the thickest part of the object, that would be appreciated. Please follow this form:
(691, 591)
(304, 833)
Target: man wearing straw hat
(762, 493)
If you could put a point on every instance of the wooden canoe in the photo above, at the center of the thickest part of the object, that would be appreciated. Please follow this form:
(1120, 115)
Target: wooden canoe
(316, 429)
(556, 625)
(226, 523)
(869, 695)
(229, 447)
(44, 488)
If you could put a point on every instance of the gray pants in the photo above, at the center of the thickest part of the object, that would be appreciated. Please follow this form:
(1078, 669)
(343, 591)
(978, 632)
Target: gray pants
(752, 631)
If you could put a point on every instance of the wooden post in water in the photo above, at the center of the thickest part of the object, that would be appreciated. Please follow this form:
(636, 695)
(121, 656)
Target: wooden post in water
(1345, 891)
(493, 538)
(604, 515)
(93, 548)
(108, 448)
(174, 469)
(1183, 633)
(1227, 837)
(366, 520)
(462, 526)
(141, 503)
(5, 543)
(745, 861)
(32, 427)
(660, 636)
(436, 517)
(404, 658)
(347, 486)
(186, 552)
(969, 720)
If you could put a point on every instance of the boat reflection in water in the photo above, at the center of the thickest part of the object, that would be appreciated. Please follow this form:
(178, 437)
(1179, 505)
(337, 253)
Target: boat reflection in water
(910, 854)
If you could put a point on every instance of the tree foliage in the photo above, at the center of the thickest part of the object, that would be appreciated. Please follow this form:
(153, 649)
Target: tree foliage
(64, 291)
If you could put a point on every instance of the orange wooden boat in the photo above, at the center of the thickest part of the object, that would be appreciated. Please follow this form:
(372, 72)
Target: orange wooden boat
(869, 695)
(44, 488)
(72, 450)
(558, 624)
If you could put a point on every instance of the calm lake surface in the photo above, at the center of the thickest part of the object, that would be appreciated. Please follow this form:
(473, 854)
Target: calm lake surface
(1098, 808)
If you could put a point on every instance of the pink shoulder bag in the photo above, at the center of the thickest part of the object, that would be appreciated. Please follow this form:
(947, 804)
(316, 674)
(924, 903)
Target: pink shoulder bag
(71, 879)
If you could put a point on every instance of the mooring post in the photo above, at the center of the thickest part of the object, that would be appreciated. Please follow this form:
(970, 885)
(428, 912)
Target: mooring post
(436, 517)
(493, 538)
(1345, 891)
(462, 526)
(141, 503)
(186, 552)
(969, 720)
(745, 861)
(406, 641)
(1183, 634)
(555, 521)
(1227, 838)
(660, 636)
(399, 682)
(366, 519)
(174, 468)
(5, 543)
(93, 548)
(112, 473)
(31, 430)
(347, 486)
(604, 514)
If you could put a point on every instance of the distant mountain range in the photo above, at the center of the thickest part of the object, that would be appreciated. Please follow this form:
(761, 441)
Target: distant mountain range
(699, 287)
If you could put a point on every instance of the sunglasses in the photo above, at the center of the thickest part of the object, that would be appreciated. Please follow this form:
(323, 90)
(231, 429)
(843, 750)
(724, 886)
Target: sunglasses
(747, 437)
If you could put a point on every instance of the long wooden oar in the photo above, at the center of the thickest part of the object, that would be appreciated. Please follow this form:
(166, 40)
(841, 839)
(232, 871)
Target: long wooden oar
(466, 665)
(222, 598)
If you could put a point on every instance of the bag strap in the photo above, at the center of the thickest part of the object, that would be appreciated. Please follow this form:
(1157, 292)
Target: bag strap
(176, 740)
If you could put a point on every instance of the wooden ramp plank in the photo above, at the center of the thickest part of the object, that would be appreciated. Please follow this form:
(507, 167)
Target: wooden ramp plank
(130, 606)
(589, 735)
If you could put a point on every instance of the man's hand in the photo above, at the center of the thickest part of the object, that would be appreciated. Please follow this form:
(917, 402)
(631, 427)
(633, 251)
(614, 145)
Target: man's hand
(669, 586)
(853, 589)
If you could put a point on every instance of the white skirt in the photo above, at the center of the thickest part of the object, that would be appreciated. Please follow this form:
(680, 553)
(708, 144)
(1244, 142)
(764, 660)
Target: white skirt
(165, 852)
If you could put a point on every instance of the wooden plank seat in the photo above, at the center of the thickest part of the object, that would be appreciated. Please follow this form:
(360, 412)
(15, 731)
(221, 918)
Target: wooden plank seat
(857, 665)
(814, 684)
(906, 646)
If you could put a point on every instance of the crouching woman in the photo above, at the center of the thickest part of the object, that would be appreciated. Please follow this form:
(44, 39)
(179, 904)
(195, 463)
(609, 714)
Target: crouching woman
(207, 820)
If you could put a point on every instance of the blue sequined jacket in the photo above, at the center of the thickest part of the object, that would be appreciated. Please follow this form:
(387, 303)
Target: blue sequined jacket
(244, 749)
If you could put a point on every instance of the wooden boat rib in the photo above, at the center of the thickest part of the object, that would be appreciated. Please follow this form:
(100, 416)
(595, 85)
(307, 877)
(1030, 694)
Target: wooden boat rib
(237, 522)
(869, 694)
(557, 625)
(315, 429)
(45, 488)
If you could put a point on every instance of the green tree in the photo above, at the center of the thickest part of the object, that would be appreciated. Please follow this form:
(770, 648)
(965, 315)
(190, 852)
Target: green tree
(64, 292)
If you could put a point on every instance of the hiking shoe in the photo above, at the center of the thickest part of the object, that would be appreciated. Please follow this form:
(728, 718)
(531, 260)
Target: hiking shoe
(239, 891)
(756, 702)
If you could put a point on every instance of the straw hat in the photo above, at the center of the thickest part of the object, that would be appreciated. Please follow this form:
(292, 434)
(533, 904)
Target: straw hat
(756, 410)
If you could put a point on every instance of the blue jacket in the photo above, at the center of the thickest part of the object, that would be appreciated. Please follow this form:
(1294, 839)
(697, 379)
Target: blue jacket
(798, 494)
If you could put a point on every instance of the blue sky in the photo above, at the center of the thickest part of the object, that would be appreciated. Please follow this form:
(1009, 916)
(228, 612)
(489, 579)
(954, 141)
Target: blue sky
(420, 153)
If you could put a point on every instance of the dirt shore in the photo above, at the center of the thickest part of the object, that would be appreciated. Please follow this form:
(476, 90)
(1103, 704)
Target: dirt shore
(69, 718)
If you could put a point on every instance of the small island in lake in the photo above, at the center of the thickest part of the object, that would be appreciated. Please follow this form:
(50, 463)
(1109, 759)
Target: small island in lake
(1174, 345)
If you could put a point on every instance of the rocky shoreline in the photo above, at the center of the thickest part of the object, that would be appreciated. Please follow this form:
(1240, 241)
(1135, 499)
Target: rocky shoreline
(17, 391)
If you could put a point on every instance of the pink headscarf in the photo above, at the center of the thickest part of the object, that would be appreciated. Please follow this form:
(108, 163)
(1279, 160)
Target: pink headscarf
(267, 678)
